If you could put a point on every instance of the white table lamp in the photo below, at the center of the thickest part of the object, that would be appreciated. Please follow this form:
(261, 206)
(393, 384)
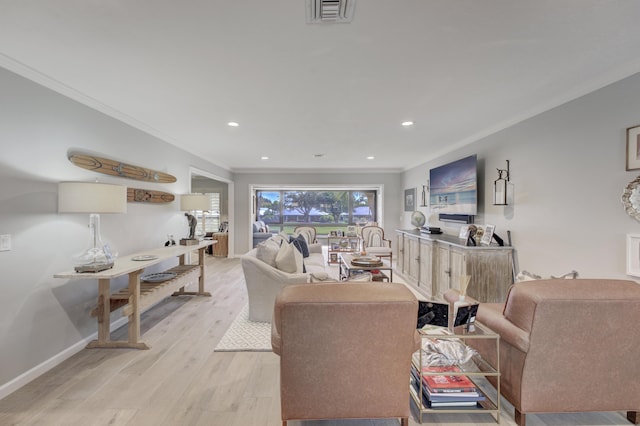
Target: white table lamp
(93, 198)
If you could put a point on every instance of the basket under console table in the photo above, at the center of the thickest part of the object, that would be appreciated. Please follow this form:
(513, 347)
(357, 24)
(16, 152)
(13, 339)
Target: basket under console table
(139, 296)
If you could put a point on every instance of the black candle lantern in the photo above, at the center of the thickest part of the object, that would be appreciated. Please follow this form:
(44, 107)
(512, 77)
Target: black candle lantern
(500, 186)
(425, 197)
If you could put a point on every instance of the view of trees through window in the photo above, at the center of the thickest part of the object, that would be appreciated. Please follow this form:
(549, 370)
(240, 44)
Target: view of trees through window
(326, 210)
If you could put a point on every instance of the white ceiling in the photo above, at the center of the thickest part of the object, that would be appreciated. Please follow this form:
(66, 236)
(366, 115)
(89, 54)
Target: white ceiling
(460, 69)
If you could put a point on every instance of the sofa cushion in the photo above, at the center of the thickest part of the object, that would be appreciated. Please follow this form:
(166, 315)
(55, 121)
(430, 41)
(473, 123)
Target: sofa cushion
(267, 251)
(289, 259)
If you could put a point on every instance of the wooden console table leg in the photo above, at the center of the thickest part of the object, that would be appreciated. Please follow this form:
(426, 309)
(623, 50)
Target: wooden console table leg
(181, 261)
(104, 315)
(200, 292)
(134, 318)
(104, 319)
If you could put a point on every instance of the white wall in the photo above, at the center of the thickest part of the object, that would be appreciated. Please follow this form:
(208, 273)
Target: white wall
(40, 316)
(392, 201)
(567, 168)
(568, 173)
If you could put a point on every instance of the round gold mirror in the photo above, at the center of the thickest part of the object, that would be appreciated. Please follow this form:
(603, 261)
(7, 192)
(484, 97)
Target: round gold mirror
(631, 198)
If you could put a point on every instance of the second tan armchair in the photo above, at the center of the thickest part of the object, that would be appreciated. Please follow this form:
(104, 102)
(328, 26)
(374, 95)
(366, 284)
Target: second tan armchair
(345, 350)
(567, 346)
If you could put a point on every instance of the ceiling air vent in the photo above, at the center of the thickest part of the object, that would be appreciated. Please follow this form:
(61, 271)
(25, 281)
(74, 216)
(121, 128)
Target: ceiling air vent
(330, 11)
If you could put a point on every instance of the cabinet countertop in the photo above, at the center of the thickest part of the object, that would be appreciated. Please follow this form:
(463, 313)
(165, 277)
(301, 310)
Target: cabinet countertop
(450, 239)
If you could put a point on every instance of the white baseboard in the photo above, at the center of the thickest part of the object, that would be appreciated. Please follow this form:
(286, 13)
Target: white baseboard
(15, 384)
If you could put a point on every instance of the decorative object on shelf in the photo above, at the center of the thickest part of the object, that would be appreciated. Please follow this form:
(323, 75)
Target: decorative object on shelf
(430, 230)
(138, 195)
(366, 261)
(631, 198)
(425, 197)
(158, 277)
(418, 219)
(464, 232)
(170, 241)
(93, 198)
(500, 186)
(116, 168)
(471, 237)
(487, 235)
(190, 203)
(633, 148)
(144, 257)
(409, 199)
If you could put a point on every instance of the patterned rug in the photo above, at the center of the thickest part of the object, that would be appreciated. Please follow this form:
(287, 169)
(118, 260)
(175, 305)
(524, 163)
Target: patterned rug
(246, 336)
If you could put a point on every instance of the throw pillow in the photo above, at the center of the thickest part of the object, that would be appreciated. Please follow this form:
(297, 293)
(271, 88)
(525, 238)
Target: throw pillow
(267, 251)
(320, 276)
(281, 237)
(289, 259)
(301, 244)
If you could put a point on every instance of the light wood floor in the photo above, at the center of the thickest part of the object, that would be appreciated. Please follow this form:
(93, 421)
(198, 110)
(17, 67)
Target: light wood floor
(181, 381)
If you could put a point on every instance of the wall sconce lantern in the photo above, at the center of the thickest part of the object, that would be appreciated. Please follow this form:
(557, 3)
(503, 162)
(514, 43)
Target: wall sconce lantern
(500, 186)
(424, 202)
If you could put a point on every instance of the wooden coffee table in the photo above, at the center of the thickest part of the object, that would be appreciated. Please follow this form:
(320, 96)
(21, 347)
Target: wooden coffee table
(348, 269)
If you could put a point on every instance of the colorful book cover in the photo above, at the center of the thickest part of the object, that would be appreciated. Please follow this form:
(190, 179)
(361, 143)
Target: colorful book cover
(445, 382)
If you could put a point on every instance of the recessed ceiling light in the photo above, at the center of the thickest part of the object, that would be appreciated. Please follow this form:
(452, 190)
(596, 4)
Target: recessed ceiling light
(232, 124)
(264, 157)
(371, 157)
(407, 123)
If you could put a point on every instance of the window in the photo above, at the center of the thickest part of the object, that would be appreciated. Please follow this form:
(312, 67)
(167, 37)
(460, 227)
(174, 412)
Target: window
(327, 210)
(211, 217)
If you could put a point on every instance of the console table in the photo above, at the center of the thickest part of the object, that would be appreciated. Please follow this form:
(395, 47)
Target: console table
(435, 263)
(137, 297)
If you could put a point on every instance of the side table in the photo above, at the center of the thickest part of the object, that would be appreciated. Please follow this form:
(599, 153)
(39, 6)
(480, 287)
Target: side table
(222, 248)
(476, 369)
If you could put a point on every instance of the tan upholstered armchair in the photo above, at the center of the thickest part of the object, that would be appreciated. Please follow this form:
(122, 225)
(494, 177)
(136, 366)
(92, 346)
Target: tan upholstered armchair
(308, 232)
(374, 243)
(345, 350)
(567, 345)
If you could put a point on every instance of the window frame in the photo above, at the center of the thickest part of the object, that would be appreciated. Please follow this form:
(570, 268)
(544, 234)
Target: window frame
(375, 191)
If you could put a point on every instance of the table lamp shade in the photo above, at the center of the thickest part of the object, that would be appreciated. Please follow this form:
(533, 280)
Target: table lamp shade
(91, 197)
(189, 202)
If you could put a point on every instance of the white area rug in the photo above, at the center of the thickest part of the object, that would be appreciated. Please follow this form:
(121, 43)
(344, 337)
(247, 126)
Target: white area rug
(246, 336)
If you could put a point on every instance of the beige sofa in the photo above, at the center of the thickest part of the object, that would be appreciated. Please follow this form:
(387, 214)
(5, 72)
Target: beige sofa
(264, 280)
(345, 350)
(567, 345)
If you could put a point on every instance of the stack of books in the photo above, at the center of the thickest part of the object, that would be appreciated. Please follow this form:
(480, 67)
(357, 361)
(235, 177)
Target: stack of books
(444, 390)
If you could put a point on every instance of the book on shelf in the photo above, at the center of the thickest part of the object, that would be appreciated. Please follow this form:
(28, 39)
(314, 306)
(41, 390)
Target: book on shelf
(445, 403)
(442, 383)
